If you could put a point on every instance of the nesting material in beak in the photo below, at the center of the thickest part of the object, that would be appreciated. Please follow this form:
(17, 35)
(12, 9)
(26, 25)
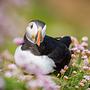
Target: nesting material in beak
(38, 38)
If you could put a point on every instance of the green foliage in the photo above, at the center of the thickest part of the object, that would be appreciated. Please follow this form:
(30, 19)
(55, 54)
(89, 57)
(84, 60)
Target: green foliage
(13, 84)
(72, 81)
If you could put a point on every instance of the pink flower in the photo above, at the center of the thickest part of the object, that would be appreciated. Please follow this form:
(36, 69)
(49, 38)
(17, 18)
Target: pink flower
(84, 57)
(12, 67)
(65, 67)
(48, 84)
(80, 47)
(85, 67)
(18, 41)
(74, 49)
(33, 69)
(43, 81)
(35, 83)
(62, 71)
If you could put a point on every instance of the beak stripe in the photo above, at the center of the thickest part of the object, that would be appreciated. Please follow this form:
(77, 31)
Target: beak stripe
(38, 38)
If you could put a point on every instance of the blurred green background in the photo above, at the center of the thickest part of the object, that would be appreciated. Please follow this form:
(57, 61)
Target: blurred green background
(62, 17)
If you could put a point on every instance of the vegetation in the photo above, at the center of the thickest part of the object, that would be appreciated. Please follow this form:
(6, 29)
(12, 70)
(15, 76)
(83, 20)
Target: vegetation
(76, 76)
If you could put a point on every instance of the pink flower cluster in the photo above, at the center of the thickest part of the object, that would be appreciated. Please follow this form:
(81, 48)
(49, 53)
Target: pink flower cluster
(81, 49)
(41, 81)
(81, 52)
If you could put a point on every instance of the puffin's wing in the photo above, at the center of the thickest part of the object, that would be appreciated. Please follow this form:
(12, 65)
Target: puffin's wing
(57, 54)
(65, 40)
(54, 44)
(61, 56)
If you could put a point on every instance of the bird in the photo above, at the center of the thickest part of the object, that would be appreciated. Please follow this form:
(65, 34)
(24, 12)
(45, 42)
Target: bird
(48, 53)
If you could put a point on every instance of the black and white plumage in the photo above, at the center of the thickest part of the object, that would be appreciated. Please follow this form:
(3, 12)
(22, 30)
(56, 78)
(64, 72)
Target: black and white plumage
(46, 52)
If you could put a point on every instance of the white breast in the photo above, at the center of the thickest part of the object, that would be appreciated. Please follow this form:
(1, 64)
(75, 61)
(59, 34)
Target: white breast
(26, 57)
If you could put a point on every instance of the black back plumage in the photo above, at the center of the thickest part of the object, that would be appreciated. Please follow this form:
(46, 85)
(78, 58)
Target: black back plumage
(56, 49)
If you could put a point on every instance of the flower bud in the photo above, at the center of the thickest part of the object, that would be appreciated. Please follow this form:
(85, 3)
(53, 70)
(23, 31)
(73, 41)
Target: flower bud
(85, 39)
(81, 84)
(76, 87)
(84, 81)
(74, 72)
(85, 68)
(65, 77)
(65, 67)
(78, 51)
(84, 44)
(74, 64)
(73, 56)
(84, 57)
(62, 71)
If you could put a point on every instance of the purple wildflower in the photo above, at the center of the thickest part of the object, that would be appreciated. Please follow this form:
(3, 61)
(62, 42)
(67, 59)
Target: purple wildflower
(87, 77)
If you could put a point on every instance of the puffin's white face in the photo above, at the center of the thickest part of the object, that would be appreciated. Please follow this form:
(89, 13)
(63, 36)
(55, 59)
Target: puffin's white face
(35, 32)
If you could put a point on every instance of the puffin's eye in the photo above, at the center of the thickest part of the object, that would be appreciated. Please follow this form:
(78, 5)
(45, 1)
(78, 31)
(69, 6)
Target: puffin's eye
(31, 26)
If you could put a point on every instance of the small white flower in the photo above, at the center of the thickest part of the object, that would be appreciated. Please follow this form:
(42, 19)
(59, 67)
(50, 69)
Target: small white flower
(85, 39)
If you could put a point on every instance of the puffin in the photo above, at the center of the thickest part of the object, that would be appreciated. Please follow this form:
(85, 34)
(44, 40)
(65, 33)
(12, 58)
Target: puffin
(48, 53)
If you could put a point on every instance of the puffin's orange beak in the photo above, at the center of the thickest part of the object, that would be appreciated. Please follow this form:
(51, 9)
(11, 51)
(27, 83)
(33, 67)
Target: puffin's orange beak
(38, 38)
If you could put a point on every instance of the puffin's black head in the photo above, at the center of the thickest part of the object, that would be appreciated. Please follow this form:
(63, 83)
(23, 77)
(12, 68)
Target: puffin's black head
(35, 31)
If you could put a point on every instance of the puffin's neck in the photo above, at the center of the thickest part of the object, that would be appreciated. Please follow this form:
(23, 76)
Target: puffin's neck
(30, 46)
